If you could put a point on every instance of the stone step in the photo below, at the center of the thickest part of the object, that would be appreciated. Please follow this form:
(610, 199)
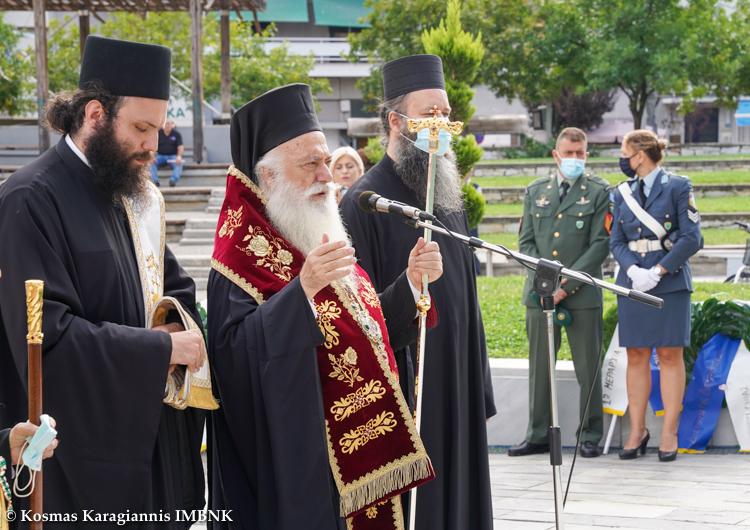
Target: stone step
(197, 272)
(195, 261)
(202, 224)
(213, 209)
(198, 241)
(198, 233)
(201, 283)
(185, 198)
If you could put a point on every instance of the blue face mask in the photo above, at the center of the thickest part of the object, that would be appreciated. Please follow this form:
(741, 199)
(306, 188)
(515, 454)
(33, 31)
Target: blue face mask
(625, 167)
(423, 138)
(571, 168)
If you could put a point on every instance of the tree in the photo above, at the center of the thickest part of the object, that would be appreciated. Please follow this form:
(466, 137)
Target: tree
(12, 69)
(461, 54)
(254, 70)
(585, 111)
(396, 31)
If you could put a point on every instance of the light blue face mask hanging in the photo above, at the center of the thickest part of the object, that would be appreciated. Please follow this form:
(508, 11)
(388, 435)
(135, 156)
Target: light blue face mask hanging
(423, 139)
(571, 168)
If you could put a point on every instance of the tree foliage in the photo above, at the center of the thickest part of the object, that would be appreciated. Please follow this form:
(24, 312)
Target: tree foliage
(396, 31)
(254, 70)
(12, 70)
(461, 54)
(585, 111)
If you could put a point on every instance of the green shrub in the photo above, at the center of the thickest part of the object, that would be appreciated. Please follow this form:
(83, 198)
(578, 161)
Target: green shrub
(467, 152)
(530, 148)
(374, 150)
(475, 204)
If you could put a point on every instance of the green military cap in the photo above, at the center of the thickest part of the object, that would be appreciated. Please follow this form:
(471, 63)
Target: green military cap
(562, 315)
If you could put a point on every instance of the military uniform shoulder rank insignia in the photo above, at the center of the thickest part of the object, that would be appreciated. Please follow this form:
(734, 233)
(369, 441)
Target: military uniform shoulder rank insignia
(579, 225)
(583, 200)
(692, 209)
(543, 202)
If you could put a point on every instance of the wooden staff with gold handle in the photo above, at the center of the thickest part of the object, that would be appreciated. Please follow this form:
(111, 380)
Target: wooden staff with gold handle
(434, 125)
(34, 302)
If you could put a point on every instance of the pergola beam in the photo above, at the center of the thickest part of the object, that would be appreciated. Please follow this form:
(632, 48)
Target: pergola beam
(42, 81)
(226, 75)
(196, 68)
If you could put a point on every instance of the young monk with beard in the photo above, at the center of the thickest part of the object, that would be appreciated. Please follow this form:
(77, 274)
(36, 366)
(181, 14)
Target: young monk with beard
(313, 431)
(457, 385)
(66, 219)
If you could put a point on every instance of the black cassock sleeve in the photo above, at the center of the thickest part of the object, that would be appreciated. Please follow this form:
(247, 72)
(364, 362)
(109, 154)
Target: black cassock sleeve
(270, 456)
(103, 382)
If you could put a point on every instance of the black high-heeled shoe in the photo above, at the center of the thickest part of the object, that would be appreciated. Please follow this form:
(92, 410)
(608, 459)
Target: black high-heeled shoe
(667, 456)
(630, 454)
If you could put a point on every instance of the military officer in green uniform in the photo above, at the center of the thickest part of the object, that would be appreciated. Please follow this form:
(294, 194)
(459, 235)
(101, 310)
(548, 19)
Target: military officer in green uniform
(566, 217)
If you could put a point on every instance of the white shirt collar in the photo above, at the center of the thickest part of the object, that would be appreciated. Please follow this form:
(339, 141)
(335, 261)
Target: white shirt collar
(75, 149)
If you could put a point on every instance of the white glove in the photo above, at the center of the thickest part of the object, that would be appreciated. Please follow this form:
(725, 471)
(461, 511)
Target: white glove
(641, 279)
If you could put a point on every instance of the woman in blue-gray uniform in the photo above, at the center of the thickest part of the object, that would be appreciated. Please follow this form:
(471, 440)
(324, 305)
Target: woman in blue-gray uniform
(655, 230)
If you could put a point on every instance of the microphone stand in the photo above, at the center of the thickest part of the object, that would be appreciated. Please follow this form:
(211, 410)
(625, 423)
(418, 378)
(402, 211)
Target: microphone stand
(547, 280)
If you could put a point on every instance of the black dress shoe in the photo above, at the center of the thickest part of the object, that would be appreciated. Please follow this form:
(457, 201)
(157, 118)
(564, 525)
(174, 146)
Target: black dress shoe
(667, 456)
(630, 454)
(528, 448)
(589, 450)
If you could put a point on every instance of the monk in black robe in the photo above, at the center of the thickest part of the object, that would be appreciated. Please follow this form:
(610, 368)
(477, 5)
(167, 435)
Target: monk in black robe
(457, 385)
(62, 220)
(270, 455)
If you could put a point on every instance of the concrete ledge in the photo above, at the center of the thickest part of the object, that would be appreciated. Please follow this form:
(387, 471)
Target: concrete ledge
(509, 223)
(674, 164)
(515, 194)
(510, 381)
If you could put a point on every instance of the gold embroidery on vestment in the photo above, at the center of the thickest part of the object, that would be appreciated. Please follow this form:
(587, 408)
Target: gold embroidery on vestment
(372, 511)
(344, 367)
(378, 426)
(232, 222)
(328, 311)
(270, 251)
(368, 293)
(357, 400)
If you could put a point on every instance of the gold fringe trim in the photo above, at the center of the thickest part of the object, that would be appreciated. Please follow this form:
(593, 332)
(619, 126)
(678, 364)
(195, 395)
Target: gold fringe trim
(381, 486)
(202, 398)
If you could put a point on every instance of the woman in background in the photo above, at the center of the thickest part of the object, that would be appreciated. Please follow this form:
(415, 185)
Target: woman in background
(346, 167)
(655, 230)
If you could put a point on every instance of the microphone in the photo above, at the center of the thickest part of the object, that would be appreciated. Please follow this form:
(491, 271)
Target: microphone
(370, 201)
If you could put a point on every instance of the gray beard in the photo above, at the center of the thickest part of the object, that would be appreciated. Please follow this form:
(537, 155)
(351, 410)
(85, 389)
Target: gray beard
(412, 166)
(302, 221)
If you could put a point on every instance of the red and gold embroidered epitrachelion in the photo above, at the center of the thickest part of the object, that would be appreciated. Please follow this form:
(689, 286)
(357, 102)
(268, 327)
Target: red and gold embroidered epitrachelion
(374, 449)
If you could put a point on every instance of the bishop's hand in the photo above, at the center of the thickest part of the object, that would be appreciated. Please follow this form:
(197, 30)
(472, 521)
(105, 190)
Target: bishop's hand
(187, 349)
(327, 262)
(425, 258)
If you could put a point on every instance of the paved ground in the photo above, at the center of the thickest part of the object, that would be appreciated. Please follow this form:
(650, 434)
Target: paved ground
(707, 491)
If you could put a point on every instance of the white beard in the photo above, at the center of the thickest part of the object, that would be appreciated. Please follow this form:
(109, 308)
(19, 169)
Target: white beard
(302, 219)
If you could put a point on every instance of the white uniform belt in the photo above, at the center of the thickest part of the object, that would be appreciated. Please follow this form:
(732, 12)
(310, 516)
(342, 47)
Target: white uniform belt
(645, 245)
